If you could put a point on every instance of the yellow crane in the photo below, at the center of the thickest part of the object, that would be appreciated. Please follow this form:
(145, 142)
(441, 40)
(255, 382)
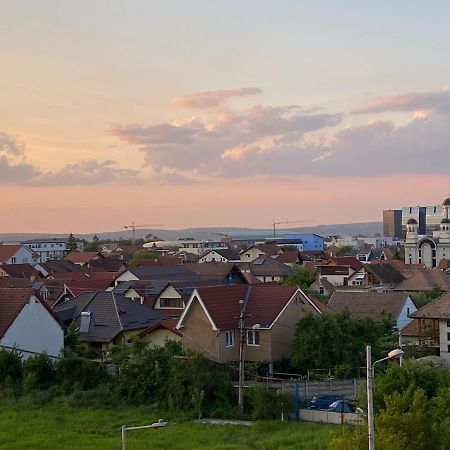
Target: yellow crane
(133, 227)
(275, 223)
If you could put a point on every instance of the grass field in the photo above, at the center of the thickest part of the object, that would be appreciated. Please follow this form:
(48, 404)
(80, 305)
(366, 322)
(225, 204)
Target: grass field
(63, 428)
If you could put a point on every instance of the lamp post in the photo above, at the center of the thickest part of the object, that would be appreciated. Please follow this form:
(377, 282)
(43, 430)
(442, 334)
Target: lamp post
(393, 354)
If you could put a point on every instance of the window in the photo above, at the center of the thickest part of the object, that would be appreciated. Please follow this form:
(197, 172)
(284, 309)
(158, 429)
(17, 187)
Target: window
(229, 338)
(321, 290)
(13, 260)
(253, 338)
(170, 303)
(448, 337)
(448, 323)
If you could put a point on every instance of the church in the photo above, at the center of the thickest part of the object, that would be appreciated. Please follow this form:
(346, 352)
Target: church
(428, 250)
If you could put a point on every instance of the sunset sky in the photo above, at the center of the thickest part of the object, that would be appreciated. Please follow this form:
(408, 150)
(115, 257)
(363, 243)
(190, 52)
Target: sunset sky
(207, 113)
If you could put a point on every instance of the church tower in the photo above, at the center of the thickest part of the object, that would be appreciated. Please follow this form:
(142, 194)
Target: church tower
(411, 252)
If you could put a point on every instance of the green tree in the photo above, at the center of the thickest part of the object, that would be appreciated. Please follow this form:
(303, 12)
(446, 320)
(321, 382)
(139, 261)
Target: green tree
(72, 243)
(335, 339)
(345, 250)
(301, 277)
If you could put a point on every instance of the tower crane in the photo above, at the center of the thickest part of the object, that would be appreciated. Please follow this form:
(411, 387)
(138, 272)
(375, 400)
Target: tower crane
(133, 227)
(275, 223)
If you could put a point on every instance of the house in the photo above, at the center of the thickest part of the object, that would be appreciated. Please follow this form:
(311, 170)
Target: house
(426, 280)
(209, 323)
(290, 257)
(18, 271)
(82, 258)
(434, 325)
(336, 275)
(258, 250)
(409, 335)
(28, 324)
(108, 265)
(161, 332)
(310, 241)
(217, 273)
(166, 274)
(220, 255)
(106, 318)
(266, 269)
(52, 248)
(323, 286)
(394, 305)
(17, 254)
(384, 275)
(167, 298)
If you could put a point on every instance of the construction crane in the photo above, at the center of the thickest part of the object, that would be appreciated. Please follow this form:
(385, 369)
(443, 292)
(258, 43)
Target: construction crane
(275, 223)
(133, 227)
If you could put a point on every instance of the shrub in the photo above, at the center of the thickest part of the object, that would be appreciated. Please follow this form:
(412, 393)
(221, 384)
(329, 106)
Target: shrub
(39, 371)
(266, 404)
(10, 366)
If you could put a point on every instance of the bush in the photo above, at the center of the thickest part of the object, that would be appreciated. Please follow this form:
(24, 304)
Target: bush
(10, 366)
(39, 371)
(266, 403)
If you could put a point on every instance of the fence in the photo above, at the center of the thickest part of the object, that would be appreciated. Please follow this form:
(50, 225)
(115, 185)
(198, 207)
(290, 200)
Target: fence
(311, 415)
(347, 388)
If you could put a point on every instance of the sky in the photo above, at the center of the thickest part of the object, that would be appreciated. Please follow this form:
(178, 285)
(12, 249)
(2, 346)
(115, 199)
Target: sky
(226, 113)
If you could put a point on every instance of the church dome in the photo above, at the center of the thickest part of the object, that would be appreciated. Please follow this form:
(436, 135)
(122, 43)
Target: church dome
(412, 221)
(446, 202)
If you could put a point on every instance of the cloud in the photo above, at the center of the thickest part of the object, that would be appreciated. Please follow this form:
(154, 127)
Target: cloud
(212, 99)
(13, 167)
(198, 148)
(86, 173)
(10, 146)
(435, 101)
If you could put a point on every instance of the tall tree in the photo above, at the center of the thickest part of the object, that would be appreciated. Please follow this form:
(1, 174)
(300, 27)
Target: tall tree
(72, 243)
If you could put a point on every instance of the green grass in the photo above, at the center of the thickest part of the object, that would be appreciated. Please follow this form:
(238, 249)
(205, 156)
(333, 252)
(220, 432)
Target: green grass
(68, 428)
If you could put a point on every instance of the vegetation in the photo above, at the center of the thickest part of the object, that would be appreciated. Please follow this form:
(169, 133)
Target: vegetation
(303, 278)
(411, 404)
(422, 298)
(344, 250)
(337, 339)
(65, 427)
(72, 243)
(143, 255)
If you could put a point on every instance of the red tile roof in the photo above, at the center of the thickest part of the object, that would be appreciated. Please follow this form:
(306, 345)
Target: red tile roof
(7, 251)
(350, 261)
(264, 303)
(81, 257)
(12, 300)
(20, 270)
(288, 257)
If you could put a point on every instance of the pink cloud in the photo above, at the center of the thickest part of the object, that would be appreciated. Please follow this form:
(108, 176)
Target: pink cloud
(212, 99)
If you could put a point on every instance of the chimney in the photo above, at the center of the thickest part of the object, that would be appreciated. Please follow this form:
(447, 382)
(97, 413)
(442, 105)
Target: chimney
(85, 324)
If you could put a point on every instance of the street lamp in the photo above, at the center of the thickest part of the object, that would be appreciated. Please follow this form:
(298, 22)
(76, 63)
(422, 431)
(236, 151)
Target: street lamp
(393, 354)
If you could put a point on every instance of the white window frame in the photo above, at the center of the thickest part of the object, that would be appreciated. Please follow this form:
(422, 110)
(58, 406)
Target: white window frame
(229, 338)
(252, 337)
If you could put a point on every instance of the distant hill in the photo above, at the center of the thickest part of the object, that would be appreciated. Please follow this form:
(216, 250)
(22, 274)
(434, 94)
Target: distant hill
(342, 229)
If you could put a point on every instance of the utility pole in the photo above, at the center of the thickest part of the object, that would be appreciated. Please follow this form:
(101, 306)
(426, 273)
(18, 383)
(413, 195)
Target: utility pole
(241, 358)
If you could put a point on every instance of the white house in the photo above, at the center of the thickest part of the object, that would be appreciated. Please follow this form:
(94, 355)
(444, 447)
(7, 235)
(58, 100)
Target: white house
(220, 255)
(28, 324)
(50, 249)
(17, 254)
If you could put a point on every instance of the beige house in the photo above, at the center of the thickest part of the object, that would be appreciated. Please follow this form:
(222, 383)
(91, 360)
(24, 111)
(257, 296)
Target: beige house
(209, 323)
(258, 250)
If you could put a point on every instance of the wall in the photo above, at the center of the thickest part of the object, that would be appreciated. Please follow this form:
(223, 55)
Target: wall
(197, 332)
(403, 318)
(311, 415)
(284, 328)
(35, 330)
(160, 336)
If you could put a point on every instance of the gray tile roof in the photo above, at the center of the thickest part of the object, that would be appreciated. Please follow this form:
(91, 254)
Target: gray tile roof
(112, 314)
(369, 304)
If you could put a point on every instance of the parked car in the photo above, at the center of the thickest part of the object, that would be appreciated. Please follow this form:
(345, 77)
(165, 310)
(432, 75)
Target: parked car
(323, 401)
(344, 406)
